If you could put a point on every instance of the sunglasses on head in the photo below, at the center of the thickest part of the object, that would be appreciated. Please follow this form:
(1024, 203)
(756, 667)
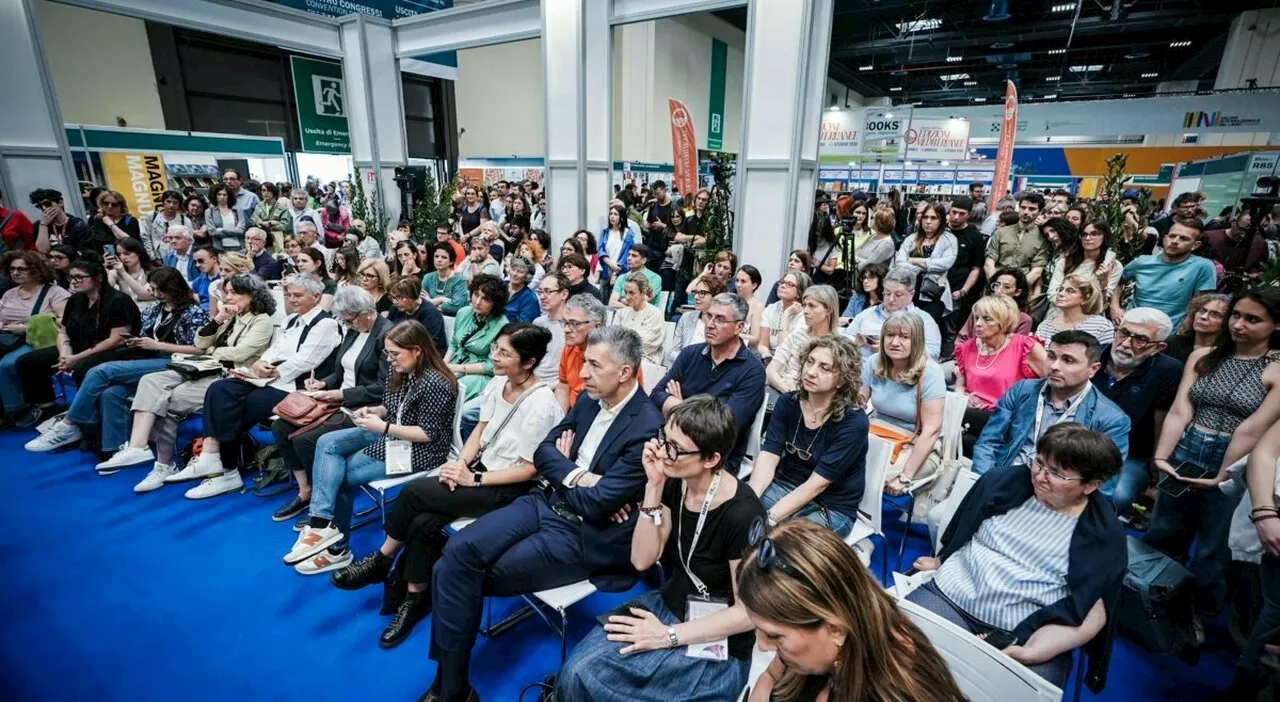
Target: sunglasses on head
(767, 554)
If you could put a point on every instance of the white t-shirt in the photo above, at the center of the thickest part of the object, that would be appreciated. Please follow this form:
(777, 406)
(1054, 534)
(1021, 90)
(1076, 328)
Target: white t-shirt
(520, 437)
(349, 361)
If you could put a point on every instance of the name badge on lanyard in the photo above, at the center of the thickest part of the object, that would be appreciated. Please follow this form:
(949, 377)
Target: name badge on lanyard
(400, 452)
(703, 604)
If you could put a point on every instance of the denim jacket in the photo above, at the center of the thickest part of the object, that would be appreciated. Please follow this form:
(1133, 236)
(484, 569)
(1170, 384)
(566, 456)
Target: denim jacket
(1015, 419)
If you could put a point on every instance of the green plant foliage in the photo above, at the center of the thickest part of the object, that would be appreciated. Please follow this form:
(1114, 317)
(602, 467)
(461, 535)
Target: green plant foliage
(368, 207)
(1126, 226)
(433, 209)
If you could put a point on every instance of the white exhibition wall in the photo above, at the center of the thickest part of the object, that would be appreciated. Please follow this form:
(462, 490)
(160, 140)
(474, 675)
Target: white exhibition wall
(500, 97)
(101, 66)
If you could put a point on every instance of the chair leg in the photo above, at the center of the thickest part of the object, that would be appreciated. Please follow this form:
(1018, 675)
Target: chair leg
(564, 635)
(902, 546)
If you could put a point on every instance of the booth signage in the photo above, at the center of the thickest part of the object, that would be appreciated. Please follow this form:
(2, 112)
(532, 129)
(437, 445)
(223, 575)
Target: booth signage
(684, 148)
(141, 178)
(841, 133)
(1004, 155)
(937, 139)
(715, 120)
(319, 94)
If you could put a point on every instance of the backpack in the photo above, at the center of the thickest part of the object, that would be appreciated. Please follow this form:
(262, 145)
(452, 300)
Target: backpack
(1157, 602)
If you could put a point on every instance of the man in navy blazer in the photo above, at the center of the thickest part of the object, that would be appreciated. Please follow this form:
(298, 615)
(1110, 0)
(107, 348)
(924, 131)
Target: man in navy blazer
(574, 529)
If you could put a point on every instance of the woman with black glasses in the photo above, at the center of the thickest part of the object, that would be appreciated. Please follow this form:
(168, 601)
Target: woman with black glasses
(838, 635)
(690, 640)
(813, 460)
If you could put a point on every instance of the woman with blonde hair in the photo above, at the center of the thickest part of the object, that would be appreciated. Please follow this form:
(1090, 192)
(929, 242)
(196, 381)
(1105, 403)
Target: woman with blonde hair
(1079, 303)
(636, 313)
(838, 635)
(230, 264)
(907, 391)
(819, 310)
(813, 459)
(879, 247)
(993, 360)
(375, 277)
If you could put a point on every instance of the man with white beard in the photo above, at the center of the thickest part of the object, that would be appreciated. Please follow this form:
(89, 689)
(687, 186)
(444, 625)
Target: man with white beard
(1142, 382)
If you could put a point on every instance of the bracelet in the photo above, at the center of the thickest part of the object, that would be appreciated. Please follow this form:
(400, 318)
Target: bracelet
(650, 510)
(1263, 517)
(386, 428)
(1264, 509)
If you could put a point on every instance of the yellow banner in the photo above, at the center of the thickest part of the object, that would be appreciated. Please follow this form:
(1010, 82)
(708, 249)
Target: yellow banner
(141, 178)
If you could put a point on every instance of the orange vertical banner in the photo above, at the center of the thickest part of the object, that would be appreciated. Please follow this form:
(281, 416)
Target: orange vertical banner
(684, 148)
(1004, 155)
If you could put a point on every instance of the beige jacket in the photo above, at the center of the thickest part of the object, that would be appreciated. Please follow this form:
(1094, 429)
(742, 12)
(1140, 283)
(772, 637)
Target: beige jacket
(248, 339)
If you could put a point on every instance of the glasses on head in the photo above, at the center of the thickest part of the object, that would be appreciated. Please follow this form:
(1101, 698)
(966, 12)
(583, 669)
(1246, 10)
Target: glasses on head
(1040, 465)
(78, 277)
(767, 554)
(671, 450)
(1137, 341)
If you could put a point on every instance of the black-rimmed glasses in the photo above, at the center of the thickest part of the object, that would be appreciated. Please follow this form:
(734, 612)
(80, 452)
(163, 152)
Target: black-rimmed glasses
(1136, 341)
(767, 554)
(1040, 465)
(671, 450)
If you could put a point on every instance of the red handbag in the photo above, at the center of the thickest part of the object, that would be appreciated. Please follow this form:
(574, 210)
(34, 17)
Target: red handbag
(304, 411)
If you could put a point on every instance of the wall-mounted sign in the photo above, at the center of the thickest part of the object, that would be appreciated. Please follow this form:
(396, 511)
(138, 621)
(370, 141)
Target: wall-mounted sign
(320, 95)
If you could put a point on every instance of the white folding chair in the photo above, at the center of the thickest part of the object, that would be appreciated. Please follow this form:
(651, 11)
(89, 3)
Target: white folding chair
(983, 673)
(668, 337)
(558, 600)
(868, 526)
(947, 508)
(448, 327)
(753, 442)
(760, 661)
(378, 489)
(664, 297)
(652, 374)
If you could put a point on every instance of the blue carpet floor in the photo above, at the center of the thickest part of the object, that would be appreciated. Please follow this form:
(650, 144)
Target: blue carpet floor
(112, 596)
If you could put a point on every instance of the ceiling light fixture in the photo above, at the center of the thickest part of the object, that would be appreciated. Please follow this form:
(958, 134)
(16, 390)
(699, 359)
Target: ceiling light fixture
(920, 25)
(1053, 79)
(954, 59)
(1057, 52)
(1051, 96)
(1063, 7)
(866, 67)
(1128, 95)
(979, 99)
(1150, 75)
(1089, 68)
(1179, 44)
(895, 89)
(954, 76)
(971, 82)
(1002, 45)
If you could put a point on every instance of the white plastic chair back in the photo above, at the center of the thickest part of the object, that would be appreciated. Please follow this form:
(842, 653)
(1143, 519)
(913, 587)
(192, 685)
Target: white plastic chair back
(753, 441)
(455, 449)
(983, 673)
(947, 508)
(668, 337)
(869, 509)
(448, 328)
(760, 661)
(663, 298)
(652, 374)
(953, 423)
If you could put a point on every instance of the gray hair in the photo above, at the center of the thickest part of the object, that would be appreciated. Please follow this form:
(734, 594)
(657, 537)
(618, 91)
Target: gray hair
(802, 281)
(735, 301)
(304, 281)
(526, 264)
(351, 301)
(307, 225)
(596, 311)
(261, 232)
(624, 345)
(181, 230)
(1151, 315)
(1007, 201)
(298, 191)
(641, 282)
(902, 275)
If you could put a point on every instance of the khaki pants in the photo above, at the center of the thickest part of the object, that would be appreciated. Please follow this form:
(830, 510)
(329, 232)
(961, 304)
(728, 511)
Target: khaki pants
(170, 398)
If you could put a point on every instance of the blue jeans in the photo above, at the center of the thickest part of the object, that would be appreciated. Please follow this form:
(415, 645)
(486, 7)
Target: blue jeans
(1268, 618)
(814, 512)
(1124, 488)
(597, 672)
(10, 386)
(471, 416)
(92, 404)
(341, 466)
(1199, 515)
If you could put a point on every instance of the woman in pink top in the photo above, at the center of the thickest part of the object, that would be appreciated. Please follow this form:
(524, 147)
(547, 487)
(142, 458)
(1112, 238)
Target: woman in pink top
(993, 360)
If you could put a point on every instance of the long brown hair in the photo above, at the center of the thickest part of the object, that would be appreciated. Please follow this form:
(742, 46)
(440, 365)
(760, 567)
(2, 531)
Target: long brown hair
(886, 659)
(410, 334)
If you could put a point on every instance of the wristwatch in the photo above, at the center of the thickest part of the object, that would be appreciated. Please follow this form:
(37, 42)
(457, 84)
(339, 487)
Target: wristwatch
(673, 641)
(476, 478)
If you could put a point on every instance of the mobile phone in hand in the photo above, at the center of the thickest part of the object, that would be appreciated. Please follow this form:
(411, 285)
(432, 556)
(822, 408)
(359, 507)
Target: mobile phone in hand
(622, 610)
(108, 251)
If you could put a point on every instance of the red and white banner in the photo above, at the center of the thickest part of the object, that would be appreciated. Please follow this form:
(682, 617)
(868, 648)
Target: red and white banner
(1004, 155)
(684, 148)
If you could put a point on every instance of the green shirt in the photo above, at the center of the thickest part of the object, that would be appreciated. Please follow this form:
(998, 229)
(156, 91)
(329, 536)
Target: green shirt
(655, 284)
(470, 344)
(454, 287)
(1017, 249)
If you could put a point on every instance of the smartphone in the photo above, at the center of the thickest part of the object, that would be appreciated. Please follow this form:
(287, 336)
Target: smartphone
(347, 411)
(1000, 639)
(1176, 488)
(108, 251)
(623, 609)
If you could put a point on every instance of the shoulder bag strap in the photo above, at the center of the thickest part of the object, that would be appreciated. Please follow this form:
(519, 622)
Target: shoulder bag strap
(919, 405)
(44, 291)
(503, 424)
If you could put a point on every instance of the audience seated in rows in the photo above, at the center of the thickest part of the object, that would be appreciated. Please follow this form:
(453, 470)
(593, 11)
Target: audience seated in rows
(35, 291)
(1010, 283)
(782, 313)
(474, 330)
(994, 359)
(638, 314)
(1078, 303)
(899, 289)
(819, 310)
(1200, 328)
(690, 328)
(583, 314)
(637, 263)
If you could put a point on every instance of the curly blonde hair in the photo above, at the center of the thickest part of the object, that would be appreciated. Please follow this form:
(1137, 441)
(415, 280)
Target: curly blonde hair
(848, 369)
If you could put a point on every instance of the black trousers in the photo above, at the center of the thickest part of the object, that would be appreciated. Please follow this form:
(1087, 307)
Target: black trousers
(974, 421)
(35, 371)
(231, 407)
(299, 453)
(426, 506)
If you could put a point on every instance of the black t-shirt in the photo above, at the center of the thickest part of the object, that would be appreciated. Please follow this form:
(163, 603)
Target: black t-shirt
(384, 304)
(970, 254)
(584, 287)
(724, 538)
(658, 239)
(87, 326)
(103, 236)
(471, 219)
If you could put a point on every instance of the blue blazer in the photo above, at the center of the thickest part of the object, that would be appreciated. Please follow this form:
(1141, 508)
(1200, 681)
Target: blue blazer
(605, 544)
(1015, 419)
(171, 259)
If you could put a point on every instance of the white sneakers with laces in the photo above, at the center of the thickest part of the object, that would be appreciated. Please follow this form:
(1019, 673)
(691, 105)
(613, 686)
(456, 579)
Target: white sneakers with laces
(155, 479)
(217, 485)
(125, 457)
(311, 542)
(200, 467)
(59, 435)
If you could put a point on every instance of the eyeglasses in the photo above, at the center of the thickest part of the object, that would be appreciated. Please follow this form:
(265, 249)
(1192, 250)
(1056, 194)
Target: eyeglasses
(545, 291)
(76, 278)
(802, 453)
(1042, 466)
(574, 324)
(1000, 287)
(711, 320)
(1211, 314)
(1090, 233)
(671, 450)
(701, 293)
(18, 269)
(367, 275)
(110, 204)
(767, 554)
(786, 284)
(496, 351)
(1137, 341)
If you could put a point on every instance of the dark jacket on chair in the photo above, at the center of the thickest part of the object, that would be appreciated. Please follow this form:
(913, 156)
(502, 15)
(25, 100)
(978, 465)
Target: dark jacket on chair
(607, 545)
(371, 367)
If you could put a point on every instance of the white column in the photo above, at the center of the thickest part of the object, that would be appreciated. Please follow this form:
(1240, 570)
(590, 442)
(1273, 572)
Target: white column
(1251, 57)
(33, 144)
(786, 73)
(577, 62)
(375, 106)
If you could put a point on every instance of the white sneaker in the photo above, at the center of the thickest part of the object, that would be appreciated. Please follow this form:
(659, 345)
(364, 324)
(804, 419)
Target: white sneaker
(311, 542)
(125, 457)
(218, 485)
(155, 479)
(324, 562)
(197, 468)
(62, 434)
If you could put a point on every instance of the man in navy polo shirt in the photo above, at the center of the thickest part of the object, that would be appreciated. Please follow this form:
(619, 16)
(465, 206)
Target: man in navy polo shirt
(1142, 382)
(724, 367)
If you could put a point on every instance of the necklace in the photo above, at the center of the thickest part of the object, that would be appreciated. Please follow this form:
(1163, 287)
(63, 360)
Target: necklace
(813, 415)
(985, 352)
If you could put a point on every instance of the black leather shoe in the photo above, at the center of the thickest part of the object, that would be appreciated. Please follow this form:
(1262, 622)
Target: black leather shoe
(295, 507)
(416, 605)
(370, 570)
